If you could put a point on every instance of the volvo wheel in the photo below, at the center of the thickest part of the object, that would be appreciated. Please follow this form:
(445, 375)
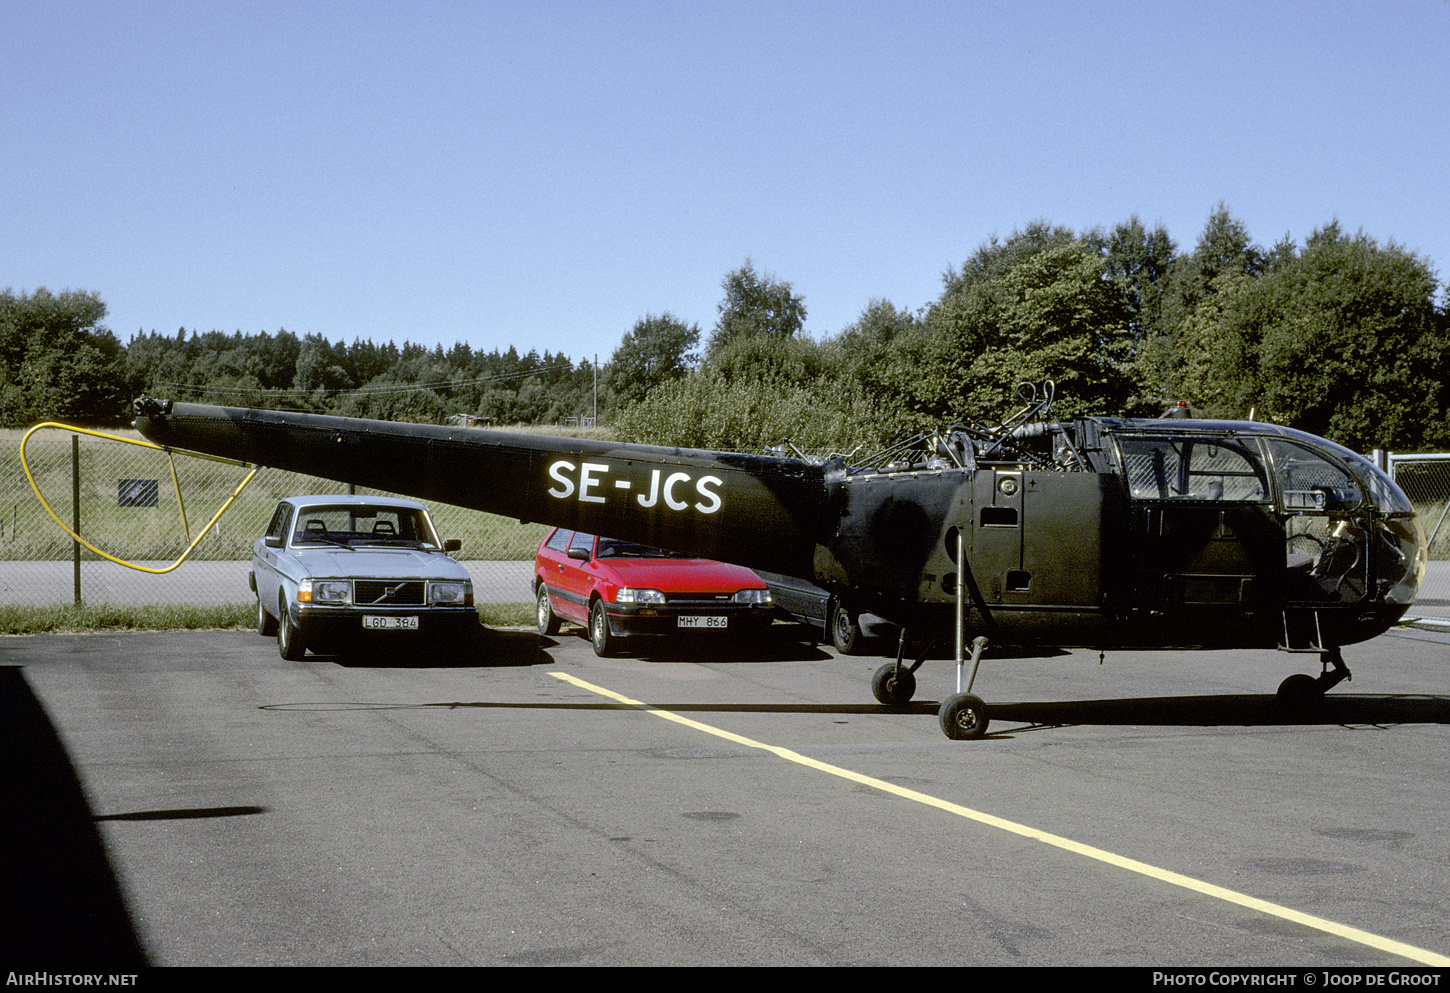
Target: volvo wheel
(291, 639)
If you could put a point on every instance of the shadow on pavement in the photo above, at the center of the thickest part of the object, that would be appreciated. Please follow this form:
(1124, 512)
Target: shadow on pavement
(63, 904)
(498, 648)
(488, 648)
(1213, 711)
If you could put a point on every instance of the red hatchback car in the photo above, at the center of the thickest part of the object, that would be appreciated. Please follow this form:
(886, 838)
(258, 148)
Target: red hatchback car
(618, 589)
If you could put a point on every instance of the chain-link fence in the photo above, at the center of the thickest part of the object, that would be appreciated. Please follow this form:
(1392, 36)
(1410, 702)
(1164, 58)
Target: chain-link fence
(1426, 481)
(124, 500)
(121, 499)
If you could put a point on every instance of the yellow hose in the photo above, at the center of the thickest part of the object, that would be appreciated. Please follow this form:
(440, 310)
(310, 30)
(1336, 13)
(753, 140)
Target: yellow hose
(175, 480)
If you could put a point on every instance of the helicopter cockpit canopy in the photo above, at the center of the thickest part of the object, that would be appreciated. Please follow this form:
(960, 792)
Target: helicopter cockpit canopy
(1345, 522)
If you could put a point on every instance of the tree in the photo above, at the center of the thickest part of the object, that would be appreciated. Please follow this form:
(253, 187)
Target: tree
(655, 351)
(866, 343)
(1223, 247)
(1137, 262)
(755, 305)
(1344, 340)
(1341, 339)
(993, 258)
(321, 370)
(57, 361)
(155, 362)
(1199, 361)
(768, 358)
(865, 355)
(1184, 356)
(704, 410)
(1036, 308)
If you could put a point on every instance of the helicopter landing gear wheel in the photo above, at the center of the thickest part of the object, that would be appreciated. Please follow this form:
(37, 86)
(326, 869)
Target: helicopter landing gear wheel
(1300, 694)
(893, 684)
(963, 717)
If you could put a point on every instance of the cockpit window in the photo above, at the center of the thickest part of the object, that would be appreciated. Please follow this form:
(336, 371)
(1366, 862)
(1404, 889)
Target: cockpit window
(1193, 468)
(1387, 496)
(1362, 474)
(1311, 482)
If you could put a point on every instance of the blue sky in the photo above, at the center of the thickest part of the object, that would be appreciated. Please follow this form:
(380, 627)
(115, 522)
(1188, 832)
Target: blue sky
(544, 174)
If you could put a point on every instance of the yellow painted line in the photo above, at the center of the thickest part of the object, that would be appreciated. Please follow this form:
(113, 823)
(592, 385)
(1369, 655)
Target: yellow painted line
(1088, 851)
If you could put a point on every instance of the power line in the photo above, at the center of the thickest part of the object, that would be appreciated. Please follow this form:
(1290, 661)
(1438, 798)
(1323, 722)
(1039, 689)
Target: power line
(367, 390)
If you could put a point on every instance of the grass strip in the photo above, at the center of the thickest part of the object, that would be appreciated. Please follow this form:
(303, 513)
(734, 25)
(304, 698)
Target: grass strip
(72, 619)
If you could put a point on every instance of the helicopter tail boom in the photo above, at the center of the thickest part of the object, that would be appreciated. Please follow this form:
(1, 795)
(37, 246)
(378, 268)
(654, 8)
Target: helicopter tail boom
(710, 504)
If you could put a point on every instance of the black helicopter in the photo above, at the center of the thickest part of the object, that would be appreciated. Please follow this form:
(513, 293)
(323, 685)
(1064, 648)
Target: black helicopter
(1098, 532)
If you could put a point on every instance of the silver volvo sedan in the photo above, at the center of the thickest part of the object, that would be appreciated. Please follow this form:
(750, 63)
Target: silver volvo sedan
(336, 571)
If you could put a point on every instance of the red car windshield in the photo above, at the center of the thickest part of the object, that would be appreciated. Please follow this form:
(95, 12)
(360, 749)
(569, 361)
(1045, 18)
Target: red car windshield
(611, 548)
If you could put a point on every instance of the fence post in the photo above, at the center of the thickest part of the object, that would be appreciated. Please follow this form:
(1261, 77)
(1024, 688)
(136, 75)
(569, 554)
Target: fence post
(75, 506)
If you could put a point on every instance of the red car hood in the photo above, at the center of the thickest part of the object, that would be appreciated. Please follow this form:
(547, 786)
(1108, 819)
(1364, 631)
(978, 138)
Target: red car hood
(680, 575)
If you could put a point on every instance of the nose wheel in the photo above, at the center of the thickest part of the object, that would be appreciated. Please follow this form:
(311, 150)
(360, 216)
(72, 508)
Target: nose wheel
(1302, 693)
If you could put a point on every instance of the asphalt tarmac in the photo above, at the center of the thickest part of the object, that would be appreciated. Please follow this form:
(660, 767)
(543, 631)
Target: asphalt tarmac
(204, 583)
(191, 799)
(218, 583)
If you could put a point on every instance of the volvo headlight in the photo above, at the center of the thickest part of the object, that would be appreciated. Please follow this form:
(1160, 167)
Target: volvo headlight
(628, 595)
(334, 591)
(753, 596)
(451, 594)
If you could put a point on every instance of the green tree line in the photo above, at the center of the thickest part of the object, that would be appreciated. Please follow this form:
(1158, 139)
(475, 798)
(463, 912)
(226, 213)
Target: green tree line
(58, 361)
(1341, 336)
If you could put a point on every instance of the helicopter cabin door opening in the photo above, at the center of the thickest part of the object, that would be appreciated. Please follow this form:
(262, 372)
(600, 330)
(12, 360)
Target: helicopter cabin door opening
(1204, 508)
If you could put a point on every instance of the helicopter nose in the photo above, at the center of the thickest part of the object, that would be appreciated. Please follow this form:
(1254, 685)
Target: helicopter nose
(1401, 566)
